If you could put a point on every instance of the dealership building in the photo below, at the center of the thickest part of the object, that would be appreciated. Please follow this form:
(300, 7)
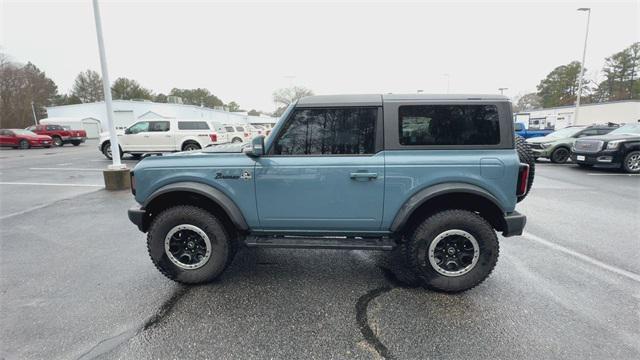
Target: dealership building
(93, 116)
(619, 112)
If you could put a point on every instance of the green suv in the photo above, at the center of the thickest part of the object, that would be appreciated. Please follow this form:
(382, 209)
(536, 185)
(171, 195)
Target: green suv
(557, 145)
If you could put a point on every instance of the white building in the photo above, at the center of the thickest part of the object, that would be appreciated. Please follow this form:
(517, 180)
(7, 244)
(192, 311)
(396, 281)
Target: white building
(618, 112)
(126, 112)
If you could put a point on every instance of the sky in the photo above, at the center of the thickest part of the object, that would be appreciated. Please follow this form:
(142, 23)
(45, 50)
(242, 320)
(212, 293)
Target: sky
(242, 51)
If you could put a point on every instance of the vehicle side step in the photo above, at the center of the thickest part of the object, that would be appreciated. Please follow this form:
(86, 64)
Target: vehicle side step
(303, 242)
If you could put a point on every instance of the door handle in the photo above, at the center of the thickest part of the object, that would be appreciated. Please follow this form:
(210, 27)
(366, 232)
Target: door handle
(364, 175)
(146, 136)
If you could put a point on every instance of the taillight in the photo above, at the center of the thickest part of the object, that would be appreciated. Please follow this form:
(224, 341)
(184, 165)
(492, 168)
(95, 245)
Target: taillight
(523, 179)
(133, 184)
(214, 137)
(247, 134)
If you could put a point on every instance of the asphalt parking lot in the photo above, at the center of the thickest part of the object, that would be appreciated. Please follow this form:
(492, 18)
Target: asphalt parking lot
(76, 282)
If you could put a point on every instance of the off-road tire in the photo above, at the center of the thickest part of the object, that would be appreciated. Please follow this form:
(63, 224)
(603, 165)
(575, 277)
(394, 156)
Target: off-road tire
(221, 247)
(438, 223)
(396, 262)
(557, 159)
(57, 141)
(626, 163)
(526, 156)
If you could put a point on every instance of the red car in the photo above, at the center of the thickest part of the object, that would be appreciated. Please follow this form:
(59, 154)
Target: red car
(23, 139)
(59, 134)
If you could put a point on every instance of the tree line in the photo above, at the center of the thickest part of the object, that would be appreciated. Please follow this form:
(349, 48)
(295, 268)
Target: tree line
(24, 88)
(619, 81)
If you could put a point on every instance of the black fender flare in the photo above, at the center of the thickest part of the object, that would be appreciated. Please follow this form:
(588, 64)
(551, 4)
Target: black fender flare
(213, 194)
(424, 195)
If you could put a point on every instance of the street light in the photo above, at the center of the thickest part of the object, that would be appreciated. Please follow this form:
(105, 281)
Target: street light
(584, 54)
(502, 90)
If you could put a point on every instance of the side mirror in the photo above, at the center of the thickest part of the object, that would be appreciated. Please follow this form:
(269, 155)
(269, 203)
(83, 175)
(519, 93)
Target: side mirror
(257, 147)
(127, 131)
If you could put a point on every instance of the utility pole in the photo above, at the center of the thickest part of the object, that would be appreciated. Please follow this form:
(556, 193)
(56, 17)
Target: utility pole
(33, 110)
(502, 89)
(584, 54)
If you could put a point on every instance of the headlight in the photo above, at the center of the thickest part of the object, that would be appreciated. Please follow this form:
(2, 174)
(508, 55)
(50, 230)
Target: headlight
(613, 144)
(545, 145)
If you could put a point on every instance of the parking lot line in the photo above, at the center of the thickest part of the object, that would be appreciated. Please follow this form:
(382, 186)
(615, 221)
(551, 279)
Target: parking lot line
(583, 257)
(605, 174)
(49, 184)
(65, 168)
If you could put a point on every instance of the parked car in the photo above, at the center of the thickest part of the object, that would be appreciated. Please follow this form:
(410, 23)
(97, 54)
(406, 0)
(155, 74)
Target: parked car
(529, 133)
(59, 134)
(618, 149)
(158, 136)
(557, 145)
(23, 139)
(321, 179)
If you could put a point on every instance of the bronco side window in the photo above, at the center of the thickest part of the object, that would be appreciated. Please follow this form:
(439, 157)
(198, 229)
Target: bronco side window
(322, 131)
(449, 125)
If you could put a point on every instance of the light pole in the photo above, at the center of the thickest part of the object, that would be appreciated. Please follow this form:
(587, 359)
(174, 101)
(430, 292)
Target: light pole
(584, 54)
(113, 137)
(502, 90)
(33, 110)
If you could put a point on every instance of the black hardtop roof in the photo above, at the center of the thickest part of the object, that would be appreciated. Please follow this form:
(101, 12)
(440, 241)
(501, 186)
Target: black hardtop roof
(378, 99)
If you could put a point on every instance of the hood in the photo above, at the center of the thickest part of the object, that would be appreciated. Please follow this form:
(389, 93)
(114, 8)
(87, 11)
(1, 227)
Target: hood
(542, 139)
(611, 137)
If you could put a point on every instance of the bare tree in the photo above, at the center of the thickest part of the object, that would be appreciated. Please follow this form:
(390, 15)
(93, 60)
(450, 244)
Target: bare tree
(88, 87)
(286, 96)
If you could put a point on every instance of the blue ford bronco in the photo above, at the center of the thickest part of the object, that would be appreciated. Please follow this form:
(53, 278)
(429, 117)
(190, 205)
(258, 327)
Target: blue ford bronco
(429, 178)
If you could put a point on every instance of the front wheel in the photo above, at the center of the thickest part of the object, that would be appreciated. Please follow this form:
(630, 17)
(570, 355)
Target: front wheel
(453, 250)
(631, 162)
(560, 155)
(189, 245)
(24, 144)
(106, 150)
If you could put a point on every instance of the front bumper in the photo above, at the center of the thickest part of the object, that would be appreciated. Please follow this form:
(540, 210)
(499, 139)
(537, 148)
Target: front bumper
(543, 153)
(601, 158)
(514, 223)
(138, 216)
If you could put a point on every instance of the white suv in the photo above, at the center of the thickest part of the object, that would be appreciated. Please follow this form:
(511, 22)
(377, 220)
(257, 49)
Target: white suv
(158, 136)
(233, 133)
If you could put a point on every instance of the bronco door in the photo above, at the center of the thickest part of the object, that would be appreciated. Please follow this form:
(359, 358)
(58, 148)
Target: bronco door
(324, 171)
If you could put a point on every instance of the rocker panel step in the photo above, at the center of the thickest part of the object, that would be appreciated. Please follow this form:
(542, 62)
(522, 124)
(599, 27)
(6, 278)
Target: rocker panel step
(296, 242)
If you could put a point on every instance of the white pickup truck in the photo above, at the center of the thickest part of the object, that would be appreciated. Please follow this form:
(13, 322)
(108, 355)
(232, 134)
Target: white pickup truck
(162, 135)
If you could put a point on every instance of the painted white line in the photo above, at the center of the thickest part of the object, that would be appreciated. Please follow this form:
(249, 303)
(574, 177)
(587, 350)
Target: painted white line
(64, 164)
(67, 169)
(604, 174)
(590, 260)
(49, 184)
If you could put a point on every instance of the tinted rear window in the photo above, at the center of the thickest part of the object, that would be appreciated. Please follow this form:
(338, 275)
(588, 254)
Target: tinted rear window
(449, 125)
(193, 125)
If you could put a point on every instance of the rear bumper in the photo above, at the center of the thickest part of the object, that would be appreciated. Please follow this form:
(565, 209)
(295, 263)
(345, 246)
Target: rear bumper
(138, 215)
(514, 223)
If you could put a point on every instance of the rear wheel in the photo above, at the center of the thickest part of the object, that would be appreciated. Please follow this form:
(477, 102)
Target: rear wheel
(106, 150)
(189, 245)
(236, 140)
(190, 146)
(453, 250)
(24, 144)
(631, 162)
(57, 141)
(526, 156)
(560, 155)
(76, 143)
